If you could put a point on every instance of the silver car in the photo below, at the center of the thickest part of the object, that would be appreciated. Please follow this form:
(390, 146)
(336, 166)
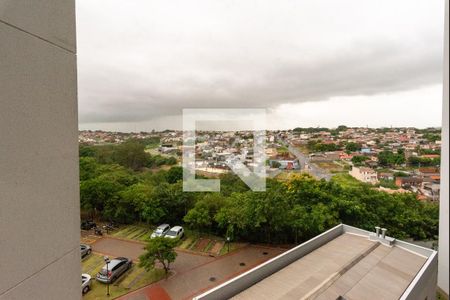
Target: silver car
(85, 283)
(160, 231)
(115, 269)
(85, 250)
(175, 232)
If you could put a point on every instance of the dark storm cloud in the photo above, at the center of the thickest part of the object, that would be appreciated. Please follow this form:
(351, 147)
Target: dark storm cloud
(138, 68)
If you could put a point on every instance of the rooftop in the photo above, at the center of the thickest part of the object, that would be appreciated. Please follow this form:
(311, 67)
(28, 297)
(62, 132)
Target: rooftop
(349, 266)
(342, 263)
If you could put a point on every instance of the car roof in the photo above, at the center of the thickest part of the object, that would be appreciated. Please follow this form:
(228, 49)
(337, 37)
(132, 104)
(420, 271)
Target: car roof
(115, 261)
(176, 228)
(121, 258)
(163, 226)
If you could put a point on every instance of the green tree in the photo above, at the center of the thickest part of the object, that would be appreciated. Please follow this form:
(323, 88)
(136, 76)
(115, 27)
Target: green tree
(432, 137)
(174, 174)
(359, 160)
(97, 192)
(231, 183)
(159, 249)
(299, 219)
(416, 161)
(320, 147)
(131, 154)
(388, 158)
(201, 216)
(323, 217)
(198, 217)
(352, 147)
(89, 168)
(275, 164)
(136, 203)
(100, 193)
(87, 151)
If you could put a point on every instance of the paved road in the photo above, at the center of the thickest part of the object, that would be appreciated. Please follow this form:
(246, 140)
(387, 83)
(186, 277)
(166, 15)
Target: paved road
(193, 274)
(306, 164)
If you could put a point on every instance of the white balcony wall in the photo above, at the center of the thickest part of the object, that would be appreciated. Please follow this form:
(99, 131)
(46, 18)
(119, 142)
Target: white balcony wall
(39, 190)
(443, 280)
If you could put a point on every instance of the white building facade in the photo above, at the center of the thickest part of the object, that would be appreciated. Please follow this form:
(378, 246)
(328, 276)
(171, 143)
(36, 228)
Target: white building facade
(39, 184)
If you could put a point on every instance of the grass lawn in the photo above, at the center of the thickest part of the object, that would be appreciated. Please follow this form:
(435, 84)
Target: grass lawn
(347, 180)
(286, 175)
(134, 232)
(192, 237)
(440, 296)
(330, 166)
(282, 150)
(187, 243)
(233, 246)
(142, 233)
(303, 148)
(209, 246)
(134, 279)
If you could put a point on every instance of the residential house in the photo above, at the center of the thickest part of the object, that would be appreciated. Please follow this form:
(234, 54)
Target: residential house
(412, 181)
(364, 174)
(285, 164)
(385, 176)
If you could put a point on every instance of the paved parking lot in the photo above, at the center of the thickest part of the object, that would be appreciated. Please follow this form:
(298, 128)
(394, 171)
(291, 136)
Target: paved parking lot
(115, 247)
(192, 273)
(133, 249)
(187, 284)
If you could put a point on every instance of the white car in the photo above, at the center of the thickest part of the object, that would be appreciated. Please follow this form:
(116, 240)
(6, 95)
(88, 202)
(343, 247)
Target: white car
(85, 250)
(160, 231)
(85, 283)
(175, 232)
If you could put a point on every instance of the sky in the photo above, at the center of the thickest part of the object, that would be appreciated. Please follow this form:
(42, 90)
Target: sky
(308, 63)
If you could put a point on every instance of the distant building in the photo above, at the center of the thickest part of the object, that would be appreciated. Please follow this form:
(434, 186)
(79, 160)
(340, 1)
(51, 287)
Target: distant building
(431, 190)
(385, 176)
(285, 164)
(430, 156)
(167, 148)
(345, 156)
(408, 181)
(364, 174)
(428, 172)
(366, 150)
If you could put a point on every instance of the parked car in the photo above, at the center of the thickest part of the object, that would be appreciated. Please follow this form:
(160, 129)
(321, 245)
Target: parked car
(175, 232)
(116, 268)
(160, 231)
(88, 224)
(85, 250)
(85, 283)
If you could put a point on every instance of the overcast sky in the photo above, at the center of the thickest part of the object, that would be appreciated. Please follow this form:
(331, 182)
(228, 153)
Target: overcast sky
(309, 63)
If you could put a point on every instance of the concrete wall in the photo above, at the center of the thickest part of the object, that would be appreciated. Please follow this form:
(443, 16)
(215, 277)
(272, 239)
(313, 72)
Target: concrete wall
(242, 282)
(39, 192)
(424, 284)
(443, 280)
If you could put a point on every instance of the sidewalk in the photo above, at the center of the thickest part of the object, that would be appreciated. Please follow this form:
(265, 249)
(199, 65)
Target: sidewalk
(188, 283)
(151, 292)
